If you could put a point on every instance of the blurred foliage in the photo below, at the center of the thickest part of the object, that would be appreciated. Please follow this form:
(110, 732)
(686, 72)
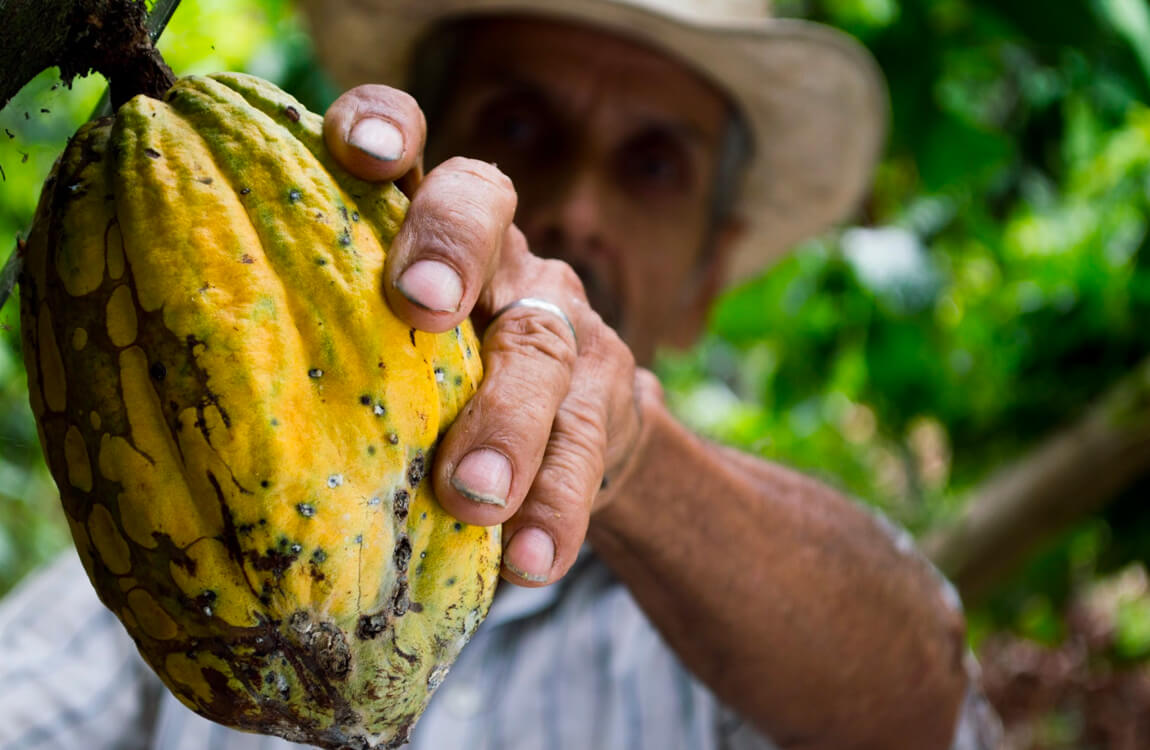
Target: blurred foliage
(995, 282)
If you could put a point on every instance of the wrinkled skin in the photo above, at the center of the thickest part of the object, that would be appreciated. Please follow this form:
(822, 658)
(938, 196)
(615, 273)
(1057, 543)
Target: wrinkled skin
(791, 603)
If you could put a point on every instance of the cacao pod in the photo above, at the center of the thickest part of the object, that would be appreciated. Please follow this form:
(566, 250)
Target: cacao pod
(240, 429)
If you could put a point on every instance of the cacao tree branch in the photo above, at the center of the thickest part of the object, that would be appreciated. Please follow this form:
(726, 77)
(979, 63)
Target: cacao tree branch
(1074, 472)
(113, 37)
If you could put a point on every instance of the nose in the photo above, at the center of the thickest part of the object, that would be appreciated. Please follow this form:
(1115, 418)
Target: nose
(569, 221)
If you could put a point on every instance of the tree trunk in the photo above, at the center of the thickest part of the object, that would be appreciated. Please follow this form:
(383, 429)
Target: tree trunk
(1074, 472)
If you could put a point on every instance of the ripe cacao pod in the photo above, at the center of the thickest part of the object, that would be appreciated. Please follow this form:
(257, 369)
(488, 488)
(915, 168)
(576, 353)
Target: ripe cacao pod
(240, 429)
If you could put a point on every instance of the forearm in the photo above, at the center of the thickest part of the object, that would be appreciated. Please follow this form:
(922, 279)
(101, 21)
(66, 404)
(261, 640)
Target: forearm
(790, 602)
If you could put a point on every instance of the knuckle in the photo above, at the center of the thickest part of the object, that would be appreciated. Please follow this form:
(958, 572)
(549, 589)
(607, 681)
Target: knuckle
(532, 336)
(483, 171)
(562, 275)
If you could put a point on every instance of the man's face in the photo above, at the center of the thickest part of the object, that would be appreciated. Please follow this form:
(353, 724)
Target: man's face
(612, 148)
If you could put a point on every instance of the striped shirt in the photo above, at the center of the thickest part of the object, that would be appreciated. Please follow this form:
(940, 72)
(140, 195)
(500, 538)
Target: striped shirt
(572, 666)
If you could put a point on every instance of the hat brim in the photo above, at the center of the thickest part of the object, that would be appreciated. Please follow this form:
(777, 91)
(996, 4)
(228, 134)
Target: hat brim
(813, 97)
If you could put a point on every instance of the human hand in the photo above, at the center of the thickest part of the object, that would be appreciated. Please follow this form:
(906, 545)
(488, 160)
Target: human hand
(558, 408)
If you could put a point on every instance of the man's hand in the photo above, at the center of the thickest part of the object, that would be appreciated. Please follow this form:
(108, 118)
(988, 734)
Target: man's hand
(557, 410)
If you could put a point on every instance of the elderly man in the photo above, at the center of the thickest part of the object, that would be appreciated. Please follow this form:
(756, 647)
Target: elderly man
(604, 169)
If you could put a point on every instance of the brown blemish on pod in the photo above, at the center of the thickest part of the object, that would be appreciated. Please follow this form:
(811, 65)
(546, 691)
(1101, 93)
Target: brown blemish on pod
(108, 541)
(79, 465)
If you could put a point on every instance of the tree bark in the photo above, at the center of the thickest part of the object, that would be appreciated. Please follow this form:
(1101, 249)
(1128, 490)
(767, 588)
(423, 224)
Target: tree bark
(79, 36)
(1076, 471)
(33, 36)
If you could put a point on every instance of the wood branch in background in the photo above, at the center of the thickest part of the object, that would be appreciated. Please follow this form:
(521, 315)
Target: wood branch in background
(79, 36)
(34, 34)
(1076, 471)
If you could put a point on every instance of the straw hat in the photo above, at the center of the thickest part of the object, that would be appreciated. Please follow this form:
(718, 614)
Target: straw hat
(813, 97)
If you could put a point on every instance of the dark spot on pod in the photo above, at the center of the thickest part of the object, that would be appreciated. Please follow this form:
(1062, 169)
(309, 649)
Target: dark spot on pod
(458, 380)
(371, 450)
(269, 678)
(468, 352)
(205, 601)
(370, 626)
(315, 573)
(294, 195)
(417, 469)
(247, 259)
(355, 215)
(378, 410)
(152, 153)
(307, 510)
(296, 548)
(358, 539)
(265, 483)
(330, 649)
(275, 422)
(449, 581)
(439, 374)
(411, 335)
(458, 526)
(292, 113)
(245, 190)
(318, 556)
(402, 554)
(344, 238)
(423, 554)
(204, 180)
(400, 602)
(245, 528)
(400, 502)
(315, 372)
(276, 561)
(423, 516)
(415, 607)
(393, 438)
(263, 522)
(321, 261)
(365, 400)
(158, 371)
(343, 212)
(375, 500)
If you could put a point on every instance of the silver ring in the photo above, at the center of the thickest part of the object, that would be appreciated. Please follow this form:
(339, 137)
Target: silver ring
(540, 304)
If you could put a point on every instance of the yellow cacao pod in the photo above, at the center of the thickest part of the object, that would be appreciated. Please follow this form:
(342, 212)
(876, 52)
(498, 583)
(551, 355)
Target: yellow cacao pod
(240, 429)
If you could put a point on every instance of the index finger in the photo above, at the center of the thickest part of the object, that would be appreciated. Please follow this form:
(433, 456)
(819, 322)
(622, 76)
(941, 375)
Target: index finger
(375, 132)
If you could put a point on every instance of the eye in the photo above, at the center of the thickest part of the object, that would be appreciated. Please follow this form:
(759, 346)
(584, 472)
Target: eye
(656, 161)
(516, 128)
(514, 124)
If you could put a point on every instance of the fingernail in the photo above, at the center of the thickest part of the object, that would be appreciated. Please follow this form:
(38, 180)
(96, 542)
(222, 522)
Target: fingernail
(530, 554)
(484, 476)
(432, 285)
(377, 138)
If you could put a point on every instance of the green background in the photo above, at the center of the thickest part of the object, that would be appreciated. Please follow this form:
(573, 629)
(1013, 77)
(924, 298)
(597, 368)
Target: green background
(994, 285)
